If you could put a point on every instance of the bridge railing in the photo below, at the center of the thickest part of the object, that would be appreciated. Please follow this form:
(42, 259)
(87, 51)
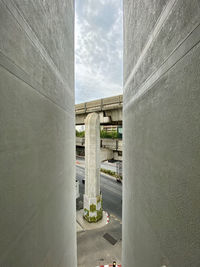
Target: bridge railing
(113, 102)
(112, 144)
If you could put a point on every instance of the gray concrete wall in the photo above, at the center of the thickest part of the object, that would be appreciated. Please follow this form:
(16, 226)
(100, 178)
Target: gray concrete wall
(37, 179)
(161, 133)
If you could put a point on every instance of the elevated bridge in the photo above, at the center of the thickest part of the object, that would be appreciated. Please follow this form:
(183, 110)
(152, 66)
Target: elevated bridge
(110, 148)
(109, 109)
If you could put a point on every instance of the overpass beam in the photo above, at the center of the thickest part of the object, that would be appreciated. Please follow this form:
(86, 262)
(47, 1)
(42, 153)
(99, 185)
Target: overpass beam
(92, 196)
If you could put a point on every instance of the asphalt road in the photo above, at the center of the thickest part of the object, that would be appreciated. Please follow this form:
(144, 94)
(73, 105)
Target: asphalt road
(105, 165)
(111, 191)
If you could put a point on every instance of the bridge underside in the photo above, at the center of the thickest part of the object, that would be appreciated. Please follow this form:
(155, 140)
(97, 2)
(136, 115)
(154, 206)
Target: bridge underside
(110, 148)
(105, 153)
(109, 109)
(108, 117)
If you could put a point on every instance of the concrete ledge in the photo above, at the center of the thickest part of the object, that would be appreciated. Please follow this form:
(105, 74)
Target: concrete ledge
(78, 227)
(82, 223)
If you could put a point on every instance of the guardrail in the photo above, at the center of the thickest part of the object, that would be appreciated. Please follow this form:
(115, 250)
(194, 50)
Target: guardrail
(112, 144)
(108, 103)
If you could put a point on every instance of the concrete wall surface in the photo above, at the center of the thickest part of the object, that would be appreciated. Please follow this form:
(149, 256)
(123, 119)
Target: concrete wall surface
(37, 177)
(161, 207)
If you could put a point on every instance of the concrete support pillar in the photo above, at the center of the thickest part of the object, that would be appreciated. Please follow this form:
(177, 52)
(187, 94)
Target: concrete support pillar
(92, 197)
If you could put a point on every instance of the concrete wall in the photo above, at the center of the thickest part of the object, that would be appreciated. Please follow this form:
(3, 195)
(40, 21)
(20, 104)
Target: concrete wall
(161, 133)
(37, 179)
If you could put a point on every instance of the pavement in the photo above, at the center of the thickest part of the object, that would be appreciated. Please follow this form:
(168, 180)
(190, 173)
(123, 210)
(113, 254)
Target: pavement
(79, 227)
(83, 225)
(100, 244)
(105, 165)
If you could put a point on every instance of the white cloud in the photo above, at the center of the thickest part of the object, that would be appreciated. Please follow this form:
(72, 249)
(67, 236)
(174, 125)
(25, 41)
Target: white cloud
(98, 49)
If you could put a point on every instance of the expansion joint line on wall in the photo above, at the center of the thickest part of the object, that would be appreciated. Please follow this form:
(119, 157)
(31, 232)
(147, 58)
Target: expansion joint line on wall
(159, 24)
(24, 25)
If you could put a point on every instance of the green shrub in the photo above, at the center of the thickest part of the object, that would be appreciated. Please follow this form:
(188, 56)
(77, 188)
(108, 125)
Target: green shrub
(99, 215)
(92, 207)
(80, 134)
(98, 199)
(93, 219)
(105, 134)
(114, 174)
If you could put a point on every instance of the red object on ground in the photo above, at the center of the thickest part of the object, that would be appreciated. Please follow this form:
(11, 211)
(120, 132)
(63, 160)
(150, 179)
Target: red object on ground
(108, 219)
(110, 265)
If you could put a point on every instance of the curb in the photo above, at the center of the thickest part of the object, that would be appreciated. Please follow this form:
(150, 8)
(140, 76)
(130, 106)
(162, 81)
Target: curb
(109, 265)
(86, 226)
(104, 174)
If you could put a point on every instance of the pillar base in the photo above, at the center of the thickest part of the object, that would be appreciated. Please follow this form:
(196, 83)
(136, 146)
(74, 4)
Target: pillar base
(92, 211)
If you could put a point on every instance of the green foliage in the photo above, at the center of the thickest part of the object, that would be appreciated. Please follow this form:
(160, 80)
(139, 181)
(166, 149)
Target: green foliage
(92, 207)
(90, 219)
(86, 211)
(93, 219)
(98, 199)
(114, 174)
(105, 134)
(99, 214)
(86, 214)
(80, 134)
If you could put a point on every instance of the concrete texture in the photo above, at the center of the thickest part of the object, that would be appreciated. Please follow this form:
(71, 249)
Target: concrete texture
(84, 225)
(95, 250)
(37, 178)
(78, 227)
(109, 109)
(111, 191)
(161, 133)
(109, 148)
(112, 166)
(92, 196)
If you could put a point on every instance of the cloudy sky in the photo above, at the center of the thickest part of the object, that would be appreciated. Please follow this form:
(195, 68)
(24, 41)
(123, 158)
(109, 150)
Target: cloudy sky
(98, 49)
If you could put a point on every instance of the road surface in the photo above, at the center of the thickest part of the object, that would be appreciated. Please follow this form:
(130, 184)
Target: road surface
(111, 191)
(105, 164)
